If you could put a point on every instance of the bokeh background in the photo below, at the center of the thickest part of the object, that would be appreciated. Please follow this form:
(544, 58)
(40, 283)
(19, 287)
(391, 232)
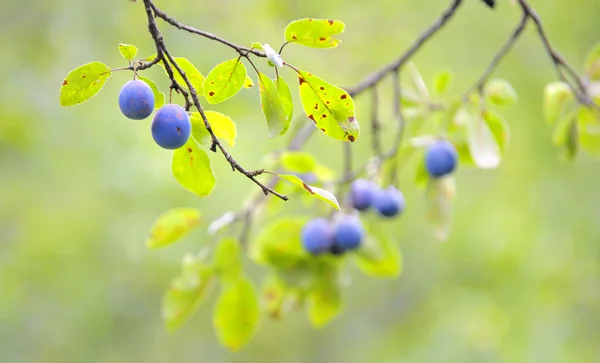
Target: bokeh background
(518, 280)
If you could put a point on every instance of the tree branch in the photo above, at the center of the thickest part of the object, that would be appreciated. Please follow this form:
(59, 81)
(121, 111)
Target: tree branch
(164, 55)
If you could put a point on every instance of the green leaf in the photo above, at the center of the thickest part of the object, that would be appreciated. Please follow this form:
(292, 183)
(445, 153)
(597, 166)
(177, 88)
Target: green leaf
(83, 83)
(303, 163)
(557, 96)
(128, 51)
(500, 92)
(298, 161)
(563, 127)
(191, 72)
(329, 107)
(224, 81)
(191, 168)
(318, 193)
(185, 293)
(315, 33)
(440, 198)
(272, 106)
(173, 225)
(589, 131)
(421, 175)
(223, 127)
(159, 97)
(279, 245)
(592, 62)
(464, 153)
(236, 315)
(286, 98)
(482, 144)
(257, 45)
(379, 257)
(442, 81)
(324, 301)
(499, 128)
(228, 261)
(248, 82)
(274, 296)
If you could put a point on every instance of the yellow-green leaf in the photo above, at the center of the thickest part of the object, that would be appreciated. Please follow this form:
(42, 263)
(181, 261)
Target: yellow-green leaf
(228, 262)
(274, 296)
(191, 72)
(318, 193)
(557, 97)
(248, 82)
(298, 161)
(128, 51)
(224, 81)
(222, 125)
(172, 226)
(442, 81)
(191, 168)
(159, 97)
(589, 131)
(324, 301)
(83, 83)
(315, 33)
(236, 315)
(329, 107)
(185, 293)
(378, 256)
(279, 244)
(286, 98)
(499, 128)
(500, 92)
(272, 106)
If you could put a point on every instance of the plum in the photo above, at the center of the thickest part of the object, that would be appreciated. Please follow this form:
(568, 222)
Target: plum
(136, 100)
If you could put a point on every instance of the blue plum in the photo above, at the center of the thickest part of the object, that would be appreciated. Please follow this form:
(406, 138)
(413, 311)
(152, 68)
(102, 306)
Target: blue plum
(441, 159)
(389, 202)
(171, 127)
(136, 100)
(362, 192)
(348, 233)
(317, 236)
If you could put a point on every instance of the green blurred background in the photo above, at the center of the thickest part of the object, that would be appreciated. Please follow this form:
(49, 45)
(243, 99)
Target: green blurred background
(518, 281)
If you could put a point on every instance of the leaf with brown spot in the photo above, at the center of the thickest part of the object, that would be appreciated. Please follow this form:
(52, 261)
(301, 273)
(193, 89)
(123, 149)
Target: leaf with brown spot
(225, 80)
(318, 193)
(273, 107)
(314, 33)
(172, 225)
(336, 106)
(192, 169)
(83, 83)
(248, 82)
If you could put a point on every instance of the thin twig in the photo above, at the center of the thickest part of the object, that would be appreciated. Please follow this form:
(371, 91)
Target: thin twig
(375, 123)
(480, 84)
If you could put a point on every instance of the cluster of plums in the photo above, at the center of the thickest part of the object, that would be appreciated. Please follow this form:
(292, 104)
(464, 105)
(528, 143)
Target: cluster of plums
(346, 233)
(171, 125)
